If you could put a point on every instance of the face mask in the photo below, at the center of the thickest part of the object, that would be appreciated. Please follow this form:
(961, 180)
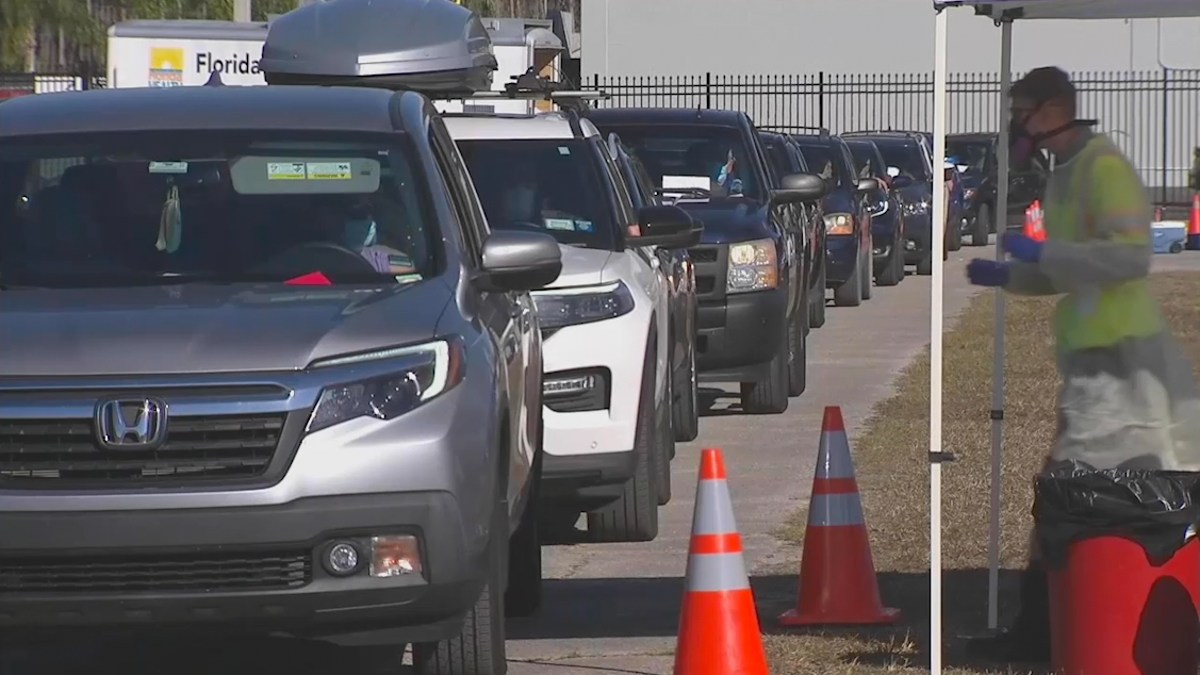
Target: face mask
(170, 223)
(1023, 143)
(358, 234)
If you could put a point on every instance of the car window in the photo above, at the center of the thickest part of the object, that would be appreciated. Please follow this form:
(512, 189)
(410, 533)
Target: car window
(906, 156)
(128, 208)
(547, 185)
(624, 201)
(684, 152)
(797, 158)
(777, 155)
(973, 154)
(865, 155)
(826, 160)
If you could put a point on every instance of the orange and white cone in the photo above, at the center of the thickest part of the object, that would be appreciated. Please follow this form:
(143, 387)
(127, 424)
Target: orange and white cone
(837, 575)
(718, 625)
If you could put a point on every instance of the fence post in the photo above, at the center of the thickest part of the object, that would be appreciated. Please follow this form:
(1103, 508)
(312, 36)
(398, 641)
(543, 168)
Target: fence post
(1166, 146)
(708, 90)
(821, 99)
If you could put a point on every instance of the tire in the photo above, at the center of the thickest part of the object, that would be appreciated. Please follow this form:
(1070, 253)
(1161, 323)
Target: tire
(816, 308)
(769, 397)
(866, 269)
(479, 648)
(954, 236)
(982, 226)
(925, 266)
(634, 517)
(849, 294)
(797, 359)
(685, 410)
(665, 436)
(1176, 247)
(523, 597)
(893, 269)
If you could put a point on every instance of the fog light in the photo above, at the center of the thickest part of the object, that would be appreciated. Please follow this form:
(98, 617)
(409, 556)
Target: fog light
(395, 556)
(341, 559)
(568, 386)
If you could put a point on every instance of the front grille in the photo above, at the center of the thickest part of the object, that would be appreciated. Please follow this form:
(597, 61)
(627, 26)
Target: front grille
(52, 454)
(157, 573)
(711, 267)
(703, 255)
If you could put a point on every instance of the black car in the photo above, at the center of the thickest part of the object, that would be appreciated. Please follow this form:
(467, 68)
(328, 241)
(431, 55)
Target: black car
(1027, 182)
(848, 262)
(887, 224)
(750, 276)
(681, 280)
(785, 158)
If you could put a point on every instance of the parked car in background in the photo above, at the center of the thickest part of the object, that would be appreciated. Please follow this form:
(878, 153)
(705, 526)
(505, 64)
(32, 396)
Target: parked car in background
(909, 165)
(750, 277)
(676, 264)
(785, 158)
(977, 153)
(605, 321)
(887, 222)
(848, 251)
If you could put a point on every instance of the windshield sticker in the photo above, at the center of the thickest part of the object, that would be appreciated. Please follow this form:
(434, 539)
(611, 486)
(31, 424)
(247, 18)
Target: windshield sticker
(564, 150)
(285, 171)
(168, 167)
(329, 171)
(560, 224)
(584, 225)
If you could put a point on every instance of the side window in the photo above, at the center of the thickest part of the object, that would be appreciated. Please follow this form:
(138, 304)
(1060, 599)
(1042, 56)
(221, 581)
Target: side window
(470, 223)
(624, 206)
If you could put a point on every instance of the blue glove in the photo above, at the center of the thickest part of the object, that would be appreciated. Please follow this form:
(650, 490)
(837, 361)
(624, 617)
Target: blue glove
(1021, 247)
(982, 272)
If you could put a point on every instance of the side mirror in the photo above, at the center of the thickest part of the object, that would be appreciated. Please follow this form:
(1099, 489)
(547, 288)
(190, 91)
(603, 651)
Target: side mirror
(666, 227)
(799, 187)
(901, 182)
(868, 185)
(519, 261)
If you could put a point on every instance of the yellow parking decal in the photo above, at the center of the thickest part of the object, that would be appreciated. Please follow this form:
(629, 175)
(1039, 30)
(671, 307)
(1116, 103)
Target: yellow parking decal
(329, 171)
(285, 171)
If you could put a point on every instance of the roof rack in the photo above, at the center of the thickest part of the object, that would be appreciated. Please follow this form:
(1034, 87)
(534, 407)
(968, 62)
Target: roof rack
(529, 86)
(881, 132)
(785, 128)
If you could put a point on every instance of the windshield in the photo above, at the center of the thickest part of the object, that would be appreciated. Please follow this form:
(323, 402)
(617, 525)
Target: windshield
(972, 154)
(118, 209)
(826, 161)
(905, 156)
(546, 185)
(681, 156)
(866, 160)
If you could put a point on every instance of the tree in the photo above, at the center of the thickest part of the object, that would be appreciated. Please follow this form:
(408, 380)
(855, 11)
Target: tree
(22, 21)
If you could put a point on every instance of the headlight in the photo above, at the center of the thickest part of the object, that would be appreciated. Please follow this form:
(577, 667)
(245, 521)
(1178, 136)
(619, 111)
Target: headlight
(753, 266)
(916, 208)
(839, 223)
(582, 304)
(422, 372)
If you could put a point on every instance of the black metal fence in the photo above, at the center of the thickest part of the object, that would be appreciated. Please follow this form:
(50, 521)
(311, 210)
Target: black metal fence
(21, 84)
(1154, 116)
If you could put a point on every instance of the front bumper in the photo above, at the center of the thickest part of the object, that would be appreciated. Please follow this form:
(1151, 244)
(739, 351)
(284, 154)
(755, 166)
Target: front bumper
(249, 568)
(841, 258)
(737, 335)
(918, 234)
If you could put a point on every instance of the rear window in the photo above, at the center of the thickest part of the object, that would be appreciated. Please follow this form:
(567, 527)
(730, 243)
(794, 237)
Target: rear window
(546, 185)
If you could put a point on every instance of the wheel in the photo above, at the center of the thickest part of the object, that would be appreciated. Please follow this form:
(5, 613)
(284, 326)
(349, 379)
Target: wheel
(666, 446)
(634, 517)
(954, 236)
(479, 648)
(982, 227)
(1176, 247)
(849, 294)
(816, 296)
(523, 597)
(893, 268)
(925, 266)
(770, 396)
(868, 279)
(685, 411)
(797, 358)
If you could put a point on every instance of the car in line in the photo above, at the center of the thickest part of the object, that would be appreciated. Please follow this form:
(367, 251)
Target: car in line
(909, 165)
(848, 262)
(676, 263)
(606, 324)
(887, 224)
(751, 282)
(785, 159)
(977, 157)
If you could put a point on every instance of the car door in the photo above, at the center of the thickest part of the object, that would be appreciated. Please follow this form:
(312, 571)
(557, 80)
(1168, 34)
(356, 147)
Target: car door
(507, 316)
(787, 221)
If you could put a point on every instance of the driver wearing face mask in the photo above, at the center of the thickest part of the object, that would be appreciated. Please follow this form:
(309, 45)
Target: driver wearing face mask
(353, 226)
(520, 202)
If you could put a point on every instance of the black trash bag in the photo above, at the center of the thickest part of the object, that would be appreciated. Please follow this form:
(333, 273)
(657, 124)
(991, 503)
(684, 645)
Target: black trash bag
(1074, 501)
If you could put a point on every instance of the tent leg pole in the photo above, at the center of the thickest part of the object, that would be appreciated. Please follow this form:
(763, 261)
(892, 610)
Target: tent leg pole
(935, 348)
(1000, 217)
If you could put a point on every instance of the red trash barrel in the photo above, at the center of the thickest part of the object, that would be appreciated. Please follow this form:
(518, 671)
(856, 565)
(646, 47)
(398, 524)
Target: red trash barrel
(1114, 613)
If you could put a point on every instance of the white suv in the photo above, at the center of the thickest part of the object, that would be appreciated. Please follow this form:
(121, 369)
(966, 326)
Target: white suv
(607, 393)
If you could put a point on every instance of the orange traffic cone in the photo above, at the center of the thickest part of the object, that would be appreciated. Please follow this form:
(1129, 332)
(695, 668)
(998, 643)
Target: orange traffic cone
(837, 575)
(1193, 238)
(718, 625)
(1033, 222)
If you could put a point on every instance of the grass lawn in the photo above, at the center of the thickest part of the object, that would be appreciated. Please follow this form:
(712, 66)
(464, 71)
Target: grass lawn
(893, 477)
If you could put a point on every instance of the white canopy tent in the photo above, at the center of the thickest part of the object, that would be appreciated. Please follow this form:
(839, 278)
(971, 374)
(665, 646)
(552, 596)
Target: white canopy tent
(1004, 12)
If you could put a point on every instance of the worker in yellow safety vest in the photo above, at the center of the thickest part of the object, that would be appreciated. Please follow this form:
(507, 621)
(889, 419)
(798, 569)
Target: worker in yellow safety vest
(1128, 398)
